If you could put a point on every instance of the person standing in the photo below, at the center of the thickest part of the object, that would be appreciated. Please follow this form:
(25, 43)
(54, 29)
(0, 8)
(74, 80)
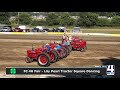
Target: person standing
(64, 37)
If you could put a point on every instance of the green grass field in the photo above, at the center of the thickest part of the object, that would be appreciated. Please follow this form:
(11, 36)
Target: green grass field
(109, 31)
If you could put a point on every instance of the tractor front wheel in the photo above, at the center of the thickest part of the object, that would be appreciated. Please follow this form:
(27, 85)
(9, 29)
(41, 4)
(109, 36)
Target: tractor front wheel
(82, 49)
(85, 47)
(43, 59)
(28, 60)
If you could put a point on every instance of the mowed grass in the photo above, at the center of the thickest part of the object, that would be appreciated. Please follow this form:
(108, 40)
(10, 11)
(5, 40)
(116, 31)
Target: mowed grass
(109, 31)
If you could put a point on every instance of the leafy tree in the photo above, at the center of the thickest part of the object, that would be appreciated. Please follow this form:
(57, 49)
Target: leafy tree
(66, 20)
(115, 20)
(52, 19)
(103, 22)
(4, 18)
(24, 18)
(38, 22)
(87, 19)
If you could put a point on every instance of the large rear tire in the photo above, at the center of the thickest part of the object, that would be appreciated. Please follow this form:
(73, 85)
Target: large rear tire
(43, 59)
(65, 52)
(56, 56)
(61, 53)
(68, 50)
(70, 47)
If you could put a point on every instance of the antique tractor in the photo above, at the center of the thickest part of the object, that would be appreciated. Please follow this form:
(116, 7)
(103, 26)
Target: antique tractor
(41, 55)
(78, 44)
(64, 51)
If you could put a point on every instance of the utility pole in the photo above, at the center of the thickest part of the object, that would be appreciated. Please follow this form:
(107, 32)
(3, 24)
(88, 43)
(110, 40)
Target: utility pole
(18, 18)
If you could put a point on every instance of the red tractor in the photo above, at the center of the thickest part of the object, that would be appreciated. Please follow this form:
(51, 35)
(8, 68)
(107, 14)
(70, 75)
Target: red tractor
(78, 44)
(59, 52)
(43, 57)
(64, 51)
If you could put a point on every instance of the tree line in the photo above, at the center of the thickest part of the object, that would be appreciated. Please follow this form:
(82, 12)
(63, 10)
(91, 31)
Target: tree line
(84, 19)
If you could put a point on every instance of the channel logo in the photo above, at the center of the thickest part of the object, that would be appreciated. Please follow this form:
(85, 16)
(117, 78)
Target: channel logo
(110, 70)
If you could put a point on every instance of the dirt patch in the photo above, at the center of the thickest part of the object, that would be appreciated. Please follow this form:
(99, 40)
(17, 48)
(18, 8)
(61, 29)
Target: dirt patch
(98, 53)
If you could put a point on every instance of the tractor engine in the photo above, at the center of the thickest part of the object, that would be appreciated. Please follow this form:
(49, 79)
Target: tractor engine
(34, 53)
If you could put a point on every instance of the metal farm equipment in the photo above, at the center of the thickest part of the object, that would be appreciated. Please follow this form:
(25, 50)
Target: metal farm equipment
(78, 44)
(45, 57)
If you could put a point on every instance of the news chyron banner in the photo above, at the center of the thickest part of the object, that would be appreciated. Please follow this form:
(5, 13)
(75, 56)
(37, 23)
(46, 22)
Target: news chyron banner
(98, 70)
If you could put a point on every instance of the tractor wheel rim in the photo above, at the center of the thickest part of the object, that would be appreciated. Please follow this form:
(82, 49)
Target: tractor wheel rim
(42, 60)
(52, 57)
(61, 54)
(64, 53)
(27, 59)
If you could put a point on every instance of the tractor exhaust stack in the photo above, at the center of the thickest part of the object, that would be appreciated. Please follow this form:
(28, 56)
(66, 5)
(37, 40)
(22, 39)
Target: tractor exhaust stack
(32, 47)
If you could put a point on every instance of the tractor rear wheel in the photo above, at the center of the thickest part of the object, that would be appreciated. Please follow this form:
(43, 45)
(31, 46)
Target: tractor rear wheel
(28, 60)
(43, 59)
(68, 50)
(65, 52)
(53, 56)
(70, 47)
(61, 52)
(57, 55)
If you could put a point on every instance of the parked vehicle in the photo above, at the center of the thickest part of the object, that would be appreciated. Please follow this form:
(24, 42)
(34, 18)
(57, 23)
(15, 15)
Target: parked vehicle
(35, 30)
(22, 27)
(6, 29)
(76, 30)
(40, 29)
(17, 30)
(60, 29)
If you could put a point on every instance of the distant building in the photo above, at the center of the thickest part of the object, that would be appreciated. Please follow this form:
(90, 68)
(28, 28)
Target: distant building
(12, 18)
(105, 17)
(39, 17)
(75, 17)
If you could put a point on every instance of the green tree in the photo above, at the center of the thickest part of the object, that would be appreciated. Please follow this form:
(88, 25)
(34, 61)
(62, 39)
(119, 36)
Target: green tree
(115, 21)
(87, 19)
(103, 22)
(38, 22)
(66, 19)
(24, 18)
(117, 13)
(13, 13)
(52, 19)
(4, 18)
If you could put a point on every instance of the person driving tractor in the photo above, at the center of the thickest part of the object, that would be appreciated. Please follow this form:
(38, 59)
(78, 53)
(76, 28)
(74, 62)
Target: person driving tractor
(58, 47)
(70, 38)
(48, 47)
(65, 43)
